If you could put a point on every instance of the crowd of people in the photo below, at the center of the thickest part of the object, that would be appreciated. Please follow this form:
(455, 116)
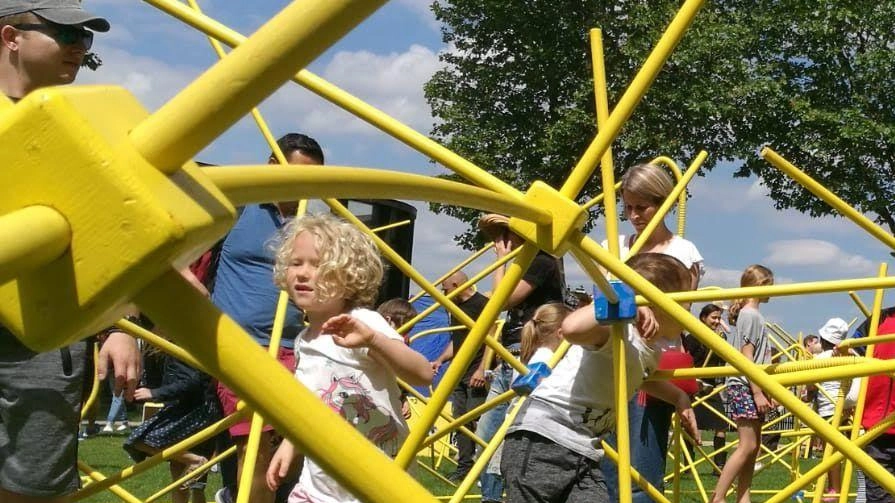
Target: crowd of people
(352, 356)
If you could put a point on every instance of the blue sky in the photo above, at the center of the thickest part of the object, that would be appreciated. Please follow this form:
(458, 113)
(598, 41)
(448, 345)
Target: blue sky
(385, 61)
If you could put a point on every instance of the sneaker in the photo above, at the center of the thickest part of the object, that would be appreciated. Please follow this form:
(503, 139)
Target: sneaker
(108, 428)
(223, 495)
(88, 431)
(457, 477)
(759, 466)
(122, 427)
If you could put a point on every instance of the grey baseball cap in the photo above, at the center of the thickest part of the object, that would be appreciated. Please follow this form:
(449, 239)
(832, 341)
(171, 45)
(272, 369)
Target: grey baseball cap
(67, 12)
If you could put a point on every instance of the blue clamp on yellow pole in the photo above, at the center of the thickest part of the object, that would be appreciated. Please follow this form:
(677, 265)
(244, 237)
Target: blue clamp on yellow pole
(623, 311)
(524, 385)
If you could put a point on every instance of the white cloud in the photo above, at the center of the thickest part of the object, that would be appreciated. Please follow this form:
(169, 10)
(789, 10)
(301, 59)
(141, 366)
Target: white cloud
(391, 82)
(151, 80)
(818, 253)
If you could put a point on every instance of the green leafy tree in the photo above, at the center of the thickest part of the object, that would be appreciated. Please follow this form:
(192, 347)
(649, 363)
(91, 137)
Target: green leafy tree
(807, 78)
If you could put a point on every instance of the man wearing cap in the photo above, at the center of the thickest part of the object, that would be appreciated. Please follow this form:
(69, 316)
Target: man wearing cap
(43, 43)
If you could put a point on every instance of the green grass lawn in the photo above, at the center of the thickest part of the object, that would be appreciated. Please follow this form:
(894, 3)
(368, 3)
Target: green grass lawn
(105, 454)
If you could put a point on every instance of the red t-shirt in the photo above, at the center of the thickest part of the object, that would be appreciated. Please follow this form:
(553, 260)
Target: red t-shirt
(880, 398)
(671, 360)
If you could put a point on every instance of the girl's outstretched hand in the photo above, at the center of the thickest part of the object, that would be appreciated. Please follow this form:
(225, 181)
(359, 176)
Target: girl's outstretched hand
(349, 332)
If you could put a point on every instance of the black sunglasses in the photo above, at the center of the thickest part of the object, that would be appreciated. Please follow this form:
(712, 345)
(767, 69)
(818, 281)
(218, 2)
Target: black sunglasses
(64, 34)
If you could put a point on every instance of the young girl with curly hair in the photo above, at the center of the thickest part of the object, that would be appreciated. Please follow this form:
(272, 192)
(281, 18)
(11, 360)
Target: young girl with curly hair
(348, 354)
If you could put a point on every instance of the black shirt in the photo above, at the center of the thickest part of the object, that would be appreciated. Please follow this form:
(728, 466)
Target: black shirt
(545, 277)
(700, 354)
(473, 307)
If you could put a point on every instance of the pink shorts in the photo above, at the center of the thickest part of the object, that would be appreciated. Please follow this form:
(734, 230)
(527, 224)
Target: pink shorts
(228, 399)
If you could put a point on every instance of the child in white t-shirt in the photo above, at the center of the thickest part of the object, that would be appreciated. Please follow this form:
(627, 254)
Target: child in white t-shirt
(549, 453)
(829, 337)
(349, 355)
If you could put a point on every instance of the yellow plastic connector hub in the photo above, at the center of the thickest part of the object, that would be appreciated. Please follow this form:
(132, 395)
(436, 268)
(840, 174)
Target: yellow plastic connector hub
(129, 221)
(568, 217)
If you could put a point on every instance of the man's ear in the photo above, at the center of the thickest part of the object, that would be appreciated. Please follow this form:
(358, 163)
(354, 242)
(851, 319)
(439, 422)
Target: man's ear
(8, 37)
(272, 160)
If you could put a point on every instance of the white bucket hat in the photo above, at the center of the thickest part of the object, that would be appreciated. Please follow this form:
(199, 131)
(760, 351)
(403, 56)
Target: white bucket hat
(833, 331)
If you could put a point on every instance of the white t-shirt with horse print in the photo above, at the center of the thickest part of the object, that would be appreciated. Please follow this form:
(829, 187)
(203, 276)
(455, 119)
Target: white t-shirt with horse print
(358, 388)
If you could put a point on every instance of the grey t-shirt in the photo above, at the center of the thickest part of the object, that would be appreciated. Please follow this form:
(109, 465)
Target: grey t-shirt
(750, 330)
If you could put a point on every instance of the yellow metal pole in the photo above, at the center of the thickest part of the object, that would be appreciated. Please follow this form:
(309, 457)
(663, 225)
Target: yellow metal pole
(737, 360)
(94, 388)
(432, 331)
(256, 115)
(115, 489)
(394, 225)
(474, 339)
(835, 421)
(681, 199)
(408, 270)
(866, 341)
(483, 459)
(860, 304)
(31, 237)
(826, 463)
(187, 476)
(669, 202)
(349, 103)
(622, 430)
(504, 397)
(262, 183)
(159, 457)
(795, 373)
(596, 275)
(468, 283)
(601, 100)
(872, 335)
(456, 268)
(469, 433)
(632, 96)
(597, 199)
(294, 411)
(159, 342)
(228, 90)
(635, 476)
(828, 197)
(254, 441)
(813, 287)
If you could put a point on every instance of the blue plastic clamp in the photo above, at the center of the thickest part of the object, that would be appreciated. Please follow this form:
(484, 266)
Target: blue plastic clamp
(623, 311)
(524, 385)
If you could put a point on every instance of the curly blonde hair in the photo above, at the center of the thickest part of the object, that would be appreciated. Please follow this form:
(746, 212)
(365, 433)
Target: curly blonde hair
(349, 265)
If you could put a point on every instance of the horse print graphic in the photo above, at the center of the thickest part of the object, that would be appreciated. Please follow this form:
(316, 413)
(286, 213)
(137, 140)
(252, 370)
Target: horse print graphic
(347, 396)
